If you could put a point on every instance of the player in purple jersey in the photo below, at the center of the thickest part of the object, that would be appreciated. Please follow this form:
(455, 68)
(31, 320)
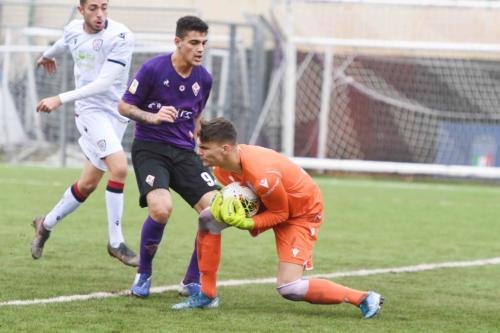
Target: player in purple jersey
(166, 99)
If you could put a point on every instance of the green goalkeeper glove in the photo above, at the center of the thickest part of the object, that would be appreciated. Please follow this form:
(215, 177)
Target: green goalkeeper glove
(233, 213)
(216, 206)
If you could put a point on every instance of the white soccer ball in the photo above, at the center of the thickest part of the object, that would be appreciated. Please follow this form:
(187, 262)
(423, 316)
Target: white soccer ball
(247, 197)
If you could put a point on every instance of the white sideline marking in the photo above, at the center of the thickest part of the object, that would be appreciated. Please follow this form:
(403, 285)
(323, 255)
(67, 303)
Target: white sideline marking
(229, 283)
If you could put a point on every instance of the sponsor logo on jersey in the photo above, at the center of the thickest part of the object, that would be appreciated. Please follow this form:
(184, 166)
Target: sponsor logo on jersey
(150, 180)
(101, 144)
(196, 88)
(182, 88)
(166, 83)
(122, 35)
(184, 114)
(295, 251)
(133, 87)
(154, 105)
(96, 44)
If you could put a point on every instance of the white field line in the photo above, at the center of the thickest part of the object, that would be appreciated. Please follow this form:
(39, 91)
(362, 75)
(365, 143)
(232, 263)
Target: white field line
(229, 283)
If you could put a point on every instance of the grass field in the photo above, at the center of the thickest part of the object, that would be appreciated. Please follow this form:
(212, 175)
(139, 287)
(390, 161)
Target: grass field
(370, 224)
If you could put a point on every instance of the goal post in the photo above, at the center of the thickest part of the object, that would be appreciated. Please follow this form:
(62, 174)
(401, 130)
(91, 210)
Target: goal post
(391, 106)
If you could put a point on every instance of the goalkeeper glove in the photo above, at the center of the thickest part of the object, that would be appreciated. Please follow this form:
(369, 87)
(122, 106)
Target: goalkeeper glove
(215, 207)
(233, 213)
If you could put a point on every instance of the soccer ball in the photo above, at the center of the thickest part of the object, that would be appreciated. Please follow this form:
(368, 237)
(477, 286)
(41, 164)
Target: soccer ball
(247, 197)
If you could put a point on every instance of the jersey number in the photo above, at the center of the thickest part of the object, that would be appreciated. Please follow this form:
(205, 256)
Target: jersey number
(206, 177)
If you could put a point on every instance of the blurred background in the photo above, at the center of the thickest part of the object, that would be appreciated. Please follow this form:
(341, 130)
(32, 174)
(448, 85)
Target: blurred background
(404, 87)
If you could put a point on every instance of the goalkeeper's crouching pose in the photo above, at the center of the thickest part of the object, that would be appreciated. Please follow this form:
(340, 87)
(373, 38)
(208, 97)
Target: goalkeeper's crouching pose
(293, 208)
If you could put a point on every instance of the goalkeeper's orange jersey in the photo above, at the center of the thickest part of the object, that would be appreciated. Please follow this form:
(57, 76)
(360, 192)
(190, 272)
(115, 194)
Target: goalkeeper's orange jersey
(284, 188)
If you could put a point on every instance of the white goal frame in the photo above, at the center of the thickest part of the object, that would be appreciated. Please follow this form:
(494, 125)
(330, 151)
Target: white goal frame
(320, 162)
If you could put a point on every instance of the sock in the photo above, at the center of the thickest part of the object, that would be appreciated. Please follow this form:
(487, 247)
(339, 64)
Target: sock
(193, 273)
(71, 200)
(151, 235)
(114, 205)
(209, 253)
(327, 292)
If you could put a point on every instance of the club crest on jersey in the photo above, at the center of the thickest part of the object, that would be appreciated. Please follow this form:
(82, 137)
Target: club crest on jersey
(196, 88)
(182, 88)
(101, 144)
(264, 183)
(97, 44)
(150, 180)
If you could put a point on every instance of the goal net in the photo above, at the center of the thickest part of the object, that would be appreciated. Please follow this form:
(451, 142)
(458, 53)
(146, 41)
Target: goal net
(376, 105)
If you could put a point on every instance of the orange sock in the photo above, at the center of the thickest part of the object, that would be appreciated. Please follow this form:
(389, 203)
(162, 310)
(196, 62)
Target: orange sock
(209, 253)
(327, 292)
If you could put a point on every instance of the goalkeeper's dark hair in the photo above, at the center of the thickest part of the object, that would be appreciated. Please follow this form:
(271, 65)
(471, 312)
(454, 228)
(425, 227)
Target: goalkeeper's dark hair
(218, 130)
(190, 23)
(83, 2)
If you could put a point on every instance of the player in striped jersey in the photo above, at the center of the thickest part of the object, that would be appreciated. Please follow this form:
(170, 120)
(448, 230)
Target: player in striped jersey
(102, 52)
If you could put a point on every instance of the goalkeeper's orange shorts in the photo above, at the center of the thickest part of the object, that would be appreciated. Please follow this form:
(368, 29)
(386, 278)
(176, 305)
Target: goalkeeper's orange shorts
(295, 239)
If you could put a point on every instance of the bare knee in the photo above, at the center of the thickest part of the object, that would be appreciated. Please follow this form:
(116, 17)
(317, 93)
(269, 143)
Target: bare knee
(117, 166)
(119, 173)
(160, 212)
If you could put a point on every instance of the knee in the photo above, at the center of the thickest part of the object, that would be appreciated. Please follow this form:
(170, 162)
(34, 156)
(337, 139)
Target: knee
(207, 223)
(294, 291)
(119, 173)
(159, 212)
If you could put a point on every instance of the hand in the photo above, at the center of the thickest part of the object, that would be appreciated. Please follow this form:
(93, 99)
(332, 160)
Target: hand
(165, 114)
(48, 64)
(48, 104)
(234, 214)
(216, 206)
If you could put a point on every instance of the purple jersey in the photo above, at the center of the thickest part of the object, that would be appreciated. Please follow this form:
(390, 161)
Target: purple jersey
(157, 84)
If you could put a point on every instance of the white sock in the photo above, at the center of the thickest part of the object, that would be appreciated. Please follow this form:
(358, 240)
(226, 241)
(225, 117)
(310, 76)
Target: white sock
(114, 205)
(65, 206)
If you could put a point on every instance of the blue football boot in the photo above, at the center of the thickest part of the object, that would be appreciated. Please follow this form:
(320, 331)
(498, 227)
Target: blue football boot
(197, 301)
(189, 289)
(141, 285)
(371, 305)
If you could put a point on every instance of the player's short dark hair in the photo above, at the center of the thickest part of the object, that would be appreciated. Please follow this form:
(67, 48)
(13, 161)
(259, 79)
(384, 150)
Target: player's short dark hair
(190, 23)
(218, 130)
(83, 2)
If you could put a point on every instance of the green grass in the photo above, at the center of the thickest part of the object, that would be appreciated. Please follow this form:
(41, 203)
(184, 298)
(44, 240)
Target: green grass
(368, 224)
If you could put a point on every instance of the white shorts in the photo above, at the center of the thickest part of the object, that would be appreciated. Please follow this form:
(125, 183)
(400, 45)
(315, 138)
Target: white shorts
(101, 135)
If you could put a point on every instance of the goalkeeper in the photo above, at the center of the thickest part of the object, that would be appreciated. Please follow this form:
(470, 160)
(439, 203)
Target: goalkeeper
(293, 208)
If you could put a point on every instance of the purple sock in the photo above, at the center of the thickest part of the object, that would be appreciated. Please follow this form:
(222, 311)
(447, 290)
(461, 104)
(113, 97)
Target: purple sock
(151, 235)
(193, 273)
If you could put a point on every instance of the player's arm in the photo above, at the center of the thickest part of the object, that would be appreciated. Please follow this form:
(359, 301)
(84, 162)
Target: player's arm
(197, 125)
(47, 61)
(273, 196)
(110, 72)
(165, 114)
